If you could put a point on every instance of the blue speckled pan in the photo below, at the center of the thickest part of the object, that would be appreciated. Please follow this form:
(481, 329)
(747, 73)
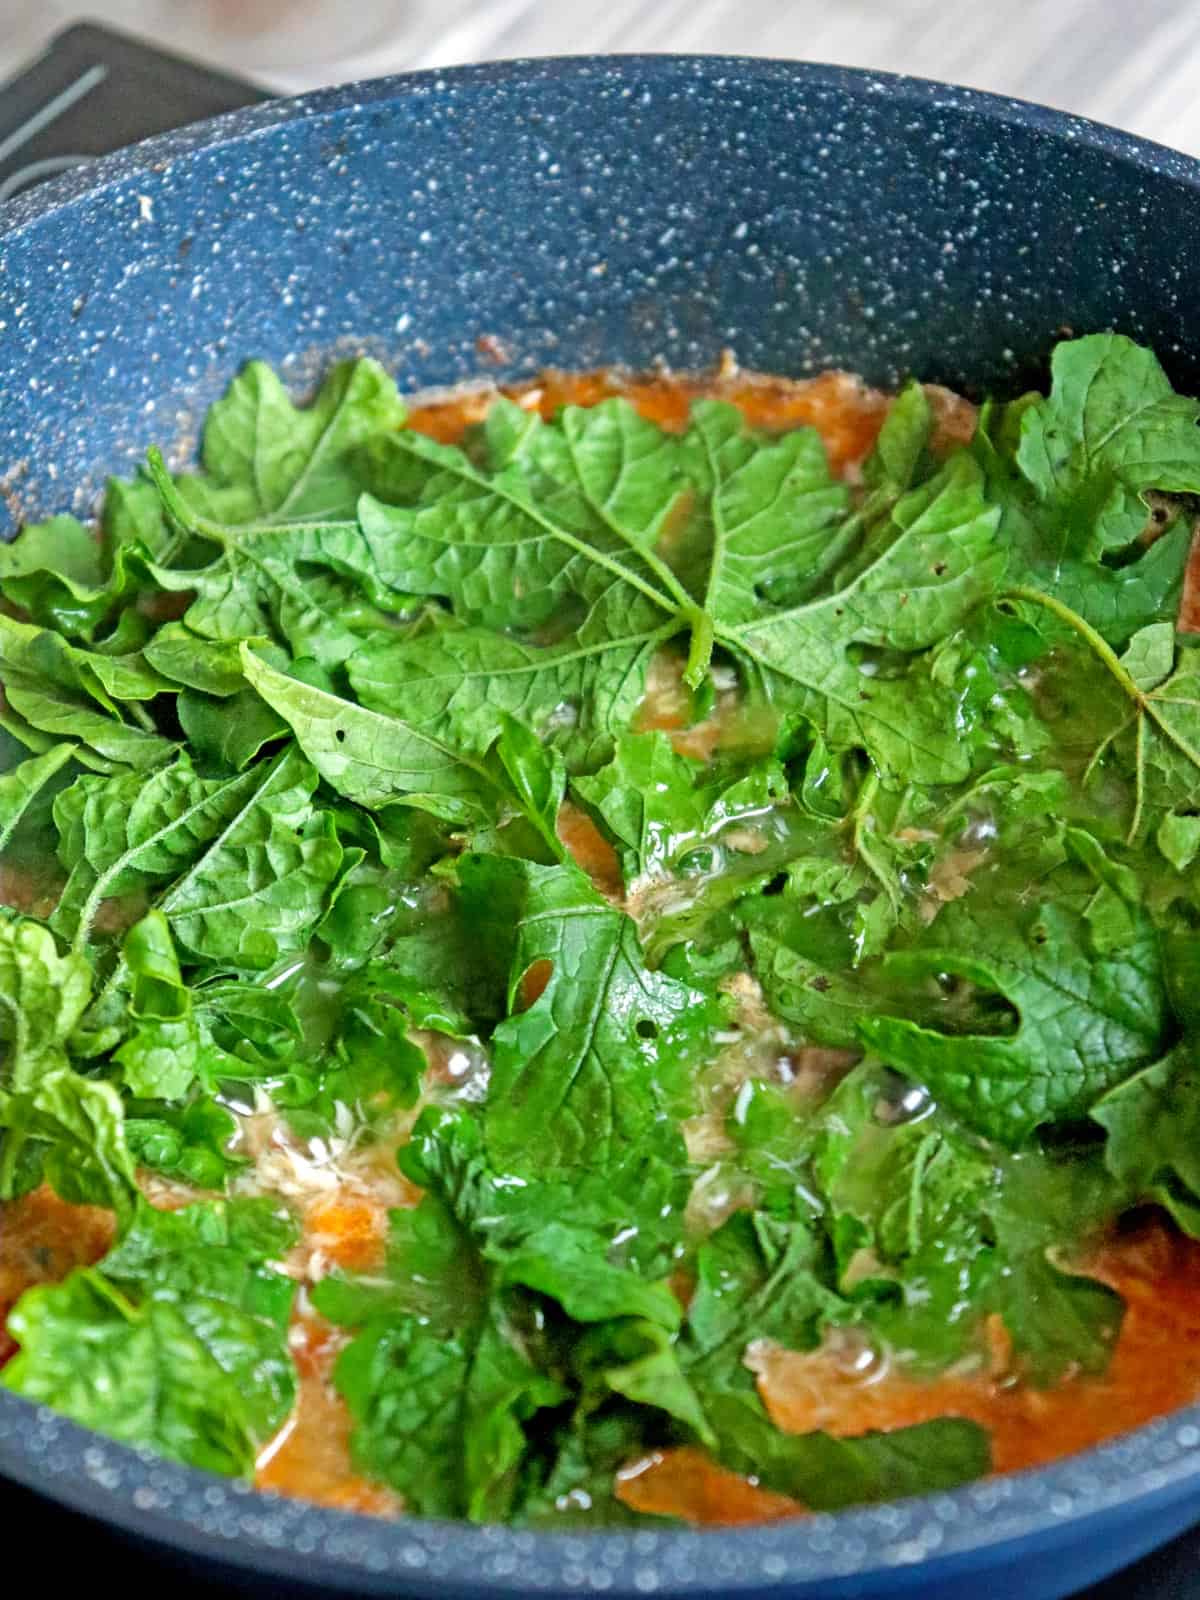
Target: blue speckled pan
(577, 213)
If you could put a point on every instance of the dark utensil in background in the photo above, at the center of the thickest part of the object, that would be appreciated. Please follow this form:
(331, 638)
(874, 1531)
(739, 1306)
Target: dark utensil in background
(571, 212)
(93, 91)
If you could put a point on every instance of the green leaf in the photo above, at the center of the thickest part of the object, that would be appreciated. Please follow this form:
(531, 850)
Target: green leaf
(566, 518)
(298, 464)
(22, 784)
(434, 1273)
(440, 1419)
(909, 1202)
(368, 1061)
(1150, 655)
(42, 997)
(1061, 1322)
(215, 1249)
(178, 1340)
(757, 1278)
(1156, 728)
(1160, 733)
(292, 562)
(942, 561)
(771, 508)
(562, 1261)
(139, 1375)
(55, 571)
(208, 666)
(438, 967)
(1072, 472)
(372, 758)
(503, 1392)
(658, 805)
(536, 778)
(606, 1048)
(578, 1489)
(75, 694)
(49, 710)
(1179, 839)
(191, 1143)
(229, 732)
(1087, 1016)
(28, 651)
(567, 511)
(165, 1052)
(197, 838)
(1111, 429)
(826, 1002)
(640, 1360)
(825, 1473)
(555, 527)
(462, 682)
(902, 445)
(404, 1388)
(1152, 1122)
(932, 1231)
(69, 1129)
(632, 1209)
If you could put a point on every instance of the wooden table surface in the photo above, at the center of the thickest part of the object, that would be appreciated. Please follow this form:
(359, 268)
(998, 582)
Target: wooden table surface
(1133, 64)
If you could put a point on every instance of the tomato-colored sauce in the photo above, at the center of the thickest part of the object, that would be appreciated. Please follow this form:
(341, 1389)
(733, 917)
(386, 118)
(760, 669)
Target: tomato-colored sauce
(845, 412)
(310, 1457)
(42, 1239)
(1155, 1369)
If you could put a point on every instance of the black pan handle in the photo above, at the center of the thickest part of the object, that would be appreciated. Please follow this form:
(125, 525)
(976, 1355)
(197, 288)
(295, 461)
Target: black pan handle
(93, 90)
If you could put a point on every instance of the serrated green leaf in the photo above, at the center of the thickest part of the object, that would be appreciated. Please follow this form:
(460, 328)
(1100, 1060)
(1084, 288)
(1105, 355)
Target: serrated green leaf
(1151, 1122)
(1087, 1017)
(942, 563)
(372, 758)
(1111, 428)
(605, 1048)
(297, 463)
(178, 1341)
(772, 509)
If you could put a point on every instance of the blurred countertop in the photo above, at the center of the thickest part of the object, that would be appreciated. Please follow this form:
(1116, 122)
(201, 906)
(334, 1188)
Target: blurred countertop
(1137, 66)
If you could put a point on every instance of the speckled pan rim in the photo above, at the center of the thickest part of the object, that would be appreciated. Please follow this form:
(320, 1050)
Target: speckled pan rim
(164, 150)
(228, 1522)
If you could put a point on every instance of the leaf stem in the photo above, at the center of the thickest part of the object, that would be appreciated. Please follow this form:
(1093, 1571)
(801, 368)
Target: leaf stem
(701, 648)
(1140, 782)
(175, 507)
(1073, 620)
(862, 808)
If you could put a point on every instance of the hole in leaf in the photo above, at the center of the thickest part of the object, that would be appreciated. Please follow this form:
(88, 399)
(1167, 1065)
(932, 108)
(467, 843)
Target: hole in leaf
(939, 568)
(963, 1007)
(533, 982)
(339, 734)
(646, 1029)
(777, 884)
